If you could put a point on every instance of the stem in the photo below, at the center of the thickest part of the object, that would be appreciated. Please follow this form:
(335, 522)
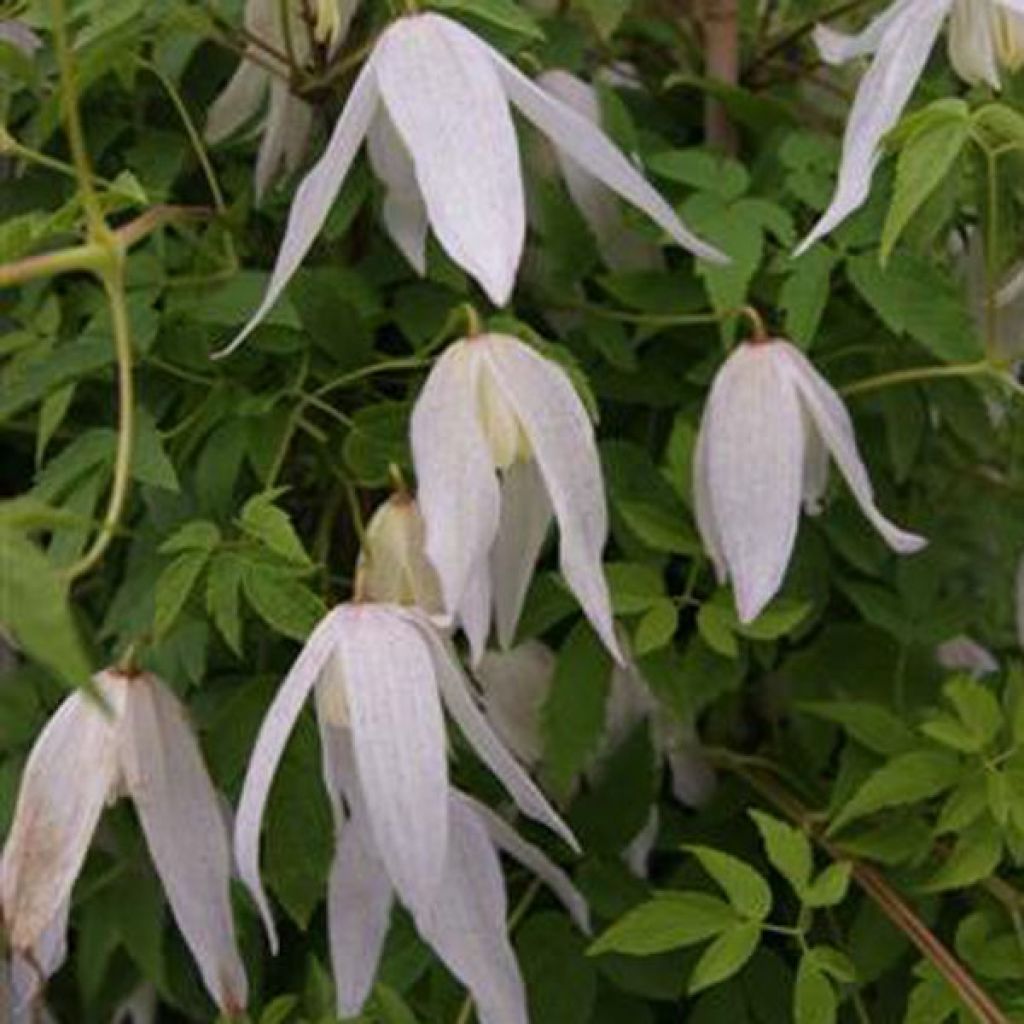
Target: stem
(98, 229)
(980, 369)
(974, 997)
(113, 283)
(721, 26)
(991, 254)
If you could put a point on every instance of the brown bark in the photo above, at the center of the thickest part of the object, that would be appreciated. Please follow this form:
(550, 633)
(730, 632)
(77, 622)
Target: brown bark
(720, 24)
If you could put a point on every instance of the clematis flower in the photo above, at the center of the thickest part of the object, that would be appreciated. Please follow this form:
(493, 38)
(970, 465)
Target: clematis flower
(141, 743)
(381, 673)
(20, 36)
(620, 247)
(984, 35)
(434, 100)
(962, 654)
(768, 428)
(500, 440)
(263, 80)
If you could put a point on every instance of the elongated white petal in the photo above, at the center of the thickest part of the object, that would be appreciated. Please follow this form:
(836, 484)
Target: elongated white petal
(238, 103)
(315, 196)
(702, 510)
(638, 853)
(972, 42)
(962, 654)
(67, 780)
(399, 742)
(755, 443)
(816, 464)
(562, 439)
(139, 1008)
(838, 47)
(525, 518)
(460, 701)
(358, 914)
(475, 609)
(266, 754)
(405, 216)
(585, 143)
(466, 924)
(881, 97)
(506, 838)
(833, 422)
(446, 102)
(29, 973)
(275, 131)
(693, 778)
(457, 486)
(180, 815)
(515, 684)
(20, 36)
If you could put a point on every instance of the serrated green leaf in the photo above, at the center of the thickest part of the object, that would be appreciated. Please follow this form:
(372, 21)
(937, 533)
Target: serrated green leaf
(656, 628)
(505, 14)
(725, 956)
(200, 535)
(283, 602)
(669, 921)
(269, 524)
(744, 888)
(173, 587)
(871, 725)
(223, 583)
(830, 887)
(788, 849)
(975, 856)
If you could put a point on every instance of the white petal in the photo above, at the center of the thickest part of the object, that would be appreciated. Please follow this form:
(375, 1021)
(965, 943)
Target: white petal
(30, 973)
(505, 837)
(457, 487)
(881, 97)
(466, 925)
(629, 703)
(180, 815)
(461, 704)
(972, 43)
(239, 102)
(474, 612)
(816, 466)
(399, 742)
(315, 196)
(838, 47)
(20, 36)
(271, 152)
(962, 654)
(706, 525)
(562, 439)
(693, 779)
(139, 1008)
(833, 422)
(405, 216)
(525, 517)
(620, 247)
(358, 915)
(266, 754)
(585, 143)
(755, 456)
(638, 853)
(515, 685)
(67, 780)
(446, 102)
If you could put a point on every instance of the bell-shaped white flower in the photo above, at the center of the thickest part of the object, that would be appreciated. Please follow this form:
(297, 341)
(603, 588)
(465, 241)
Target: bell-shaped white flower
(769, 426)
(962, 654)
(434, 100)
(500, 441)
(383, 672)
(20, 36)
(620, 246)
(140, 743)
(983, 35)
(262, 80)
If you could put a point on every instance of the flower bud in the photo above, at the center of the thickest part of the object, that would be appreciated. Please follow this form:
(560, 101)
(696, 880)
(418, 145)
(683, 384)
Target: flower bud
(1009, 36)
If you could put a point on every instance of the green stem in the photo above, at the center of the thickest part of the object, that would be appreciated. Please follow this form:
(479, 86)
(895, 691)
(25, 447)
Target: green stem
(980, 369)
(113, 283)
(991, 255)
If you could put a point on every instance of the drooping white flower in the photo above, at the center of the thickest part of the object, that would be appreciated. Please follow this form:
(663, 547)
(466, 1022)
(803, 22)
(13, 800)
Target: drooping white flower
(620, 246)
(983, 35)
(255, 85)
(141, 743)
(501, 441)
(434, 100)
(769, 426)
(20, 36)
(24, 976)
(962, 654)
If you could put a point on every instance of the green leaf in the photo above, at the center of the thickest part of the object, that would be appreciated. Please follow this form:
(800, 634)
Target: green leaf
(150, 464)
(830, 887)
(745, 889)
(561, 982)
(975, 856)
(277, 1011)
(834, 963)
(656, 628)
(505, 14)
(788, 849)
(871, 725)
(977, 707)
(669, 921)
(223, 583)
(173, 587)
(634, 587)
(907, 779)
(34, 607)
(805, 294)
(283, 602)
(814, 998)
(928, 153)
(606, 14)
(573, 715)
(198, 535)
(264, 521)
(391, 1008)
(715, 625)
(725, 956)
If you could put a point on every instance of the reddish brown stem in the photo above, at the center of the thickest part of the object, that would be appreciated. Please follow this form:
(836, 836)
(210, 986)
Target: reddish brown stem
(721, 27)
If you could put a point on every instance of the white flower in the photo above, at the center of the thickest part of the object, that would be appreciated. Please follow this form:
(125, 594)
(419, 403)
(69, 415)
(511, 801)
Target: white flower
(962, 654)
(20, 36)
(621, 247)
(983, 34)
(140, 743)
(768, 428)
(289, 119)
(434, 100)
(382, 673)
(500, 440)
